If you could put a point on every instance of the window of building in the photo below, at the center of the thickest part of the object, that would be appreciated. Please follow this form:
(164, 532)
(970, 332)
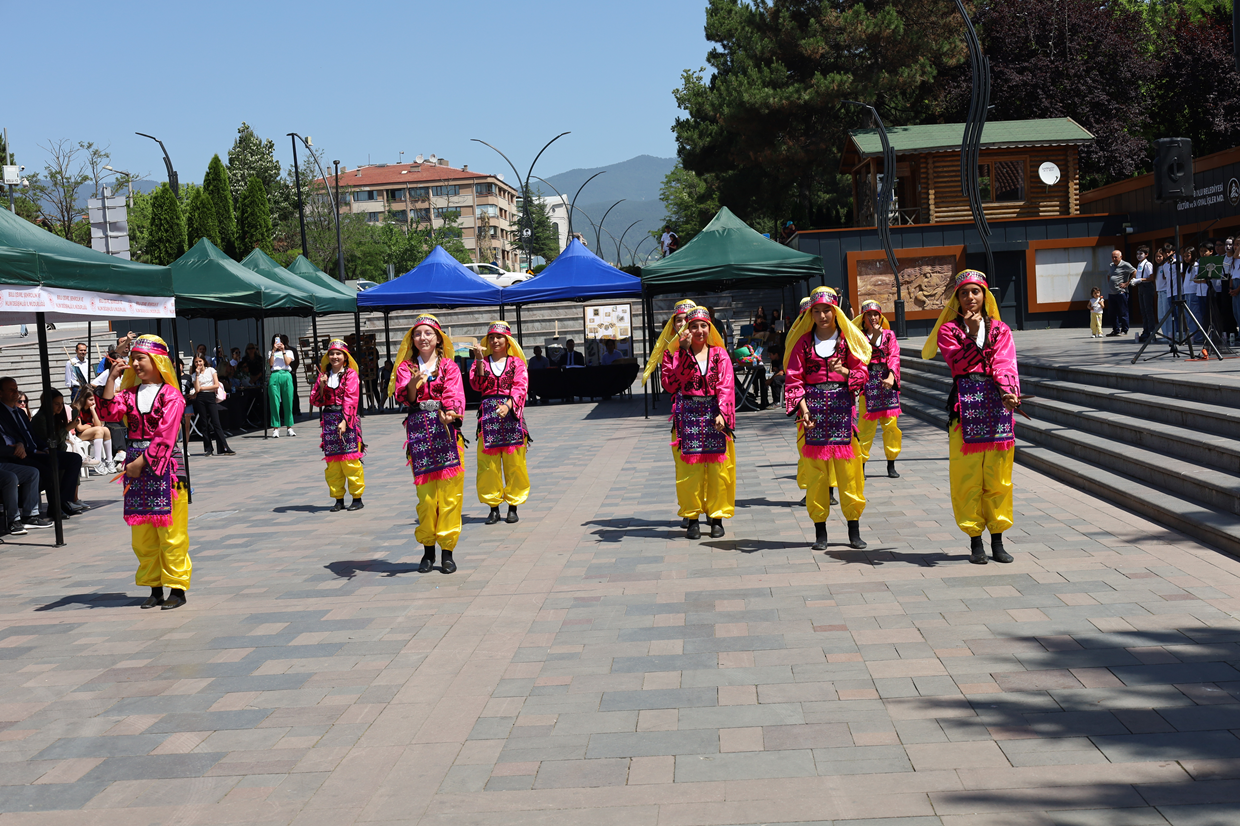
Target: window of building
(1001, 181)
(485, 189)
(365, 195)
(400, 216)
(423, 214)
(503, 213)
(374, 217)
(490, 210)
(443, 212)
(396, 194)
(441, 191)
(494, 232)
(417, 192)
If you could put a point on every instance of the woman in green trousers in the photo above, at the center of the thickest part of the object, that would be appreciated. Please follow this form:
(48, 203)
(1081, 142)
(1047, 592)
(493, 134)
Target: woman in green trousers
(280, 386)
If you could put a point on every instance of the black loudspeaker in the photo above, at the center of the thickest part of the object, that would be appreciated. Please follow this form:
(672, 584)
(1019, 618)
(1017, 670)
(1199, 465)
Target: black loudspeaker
(1173, 169)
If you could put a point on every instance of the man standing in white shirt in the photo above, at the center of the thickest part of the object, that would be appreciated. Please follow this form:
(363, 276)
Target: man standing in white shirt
(1165, 280)
(1147, 297)
(76, 371)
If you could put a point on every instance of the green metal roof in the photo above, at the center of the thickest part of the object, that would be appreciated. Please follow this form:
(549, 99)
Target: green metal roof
(946, 137)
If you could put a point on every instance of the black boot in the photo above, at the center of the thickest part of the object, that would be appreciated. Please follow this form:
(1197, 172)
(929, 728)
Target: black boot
(339, 506)
(176, 598)
(802, 502)
(493, 517)
(996, 549)
(977, 553)
(716, 528)
(156, 598)
(684, 523)
(428, 559)
(512, 515)
(820, 536)
(695, 530)
(892, 473)
(834, 501)
(356, 504)
(448, 566)
(854, 535)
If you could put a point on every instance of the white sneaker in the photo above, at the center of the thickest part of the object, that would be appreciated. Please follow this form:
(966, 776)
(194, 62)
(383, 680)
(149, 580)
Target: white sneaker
(119, 457)
(276, 435)
(291, 432)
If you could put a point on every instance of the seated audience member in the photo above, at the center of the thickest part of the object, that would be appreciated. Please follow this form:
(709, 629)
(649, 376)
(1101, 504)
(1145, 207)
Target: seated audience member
(610, 353)
(538, 361)
(571, 357)
(23, 447)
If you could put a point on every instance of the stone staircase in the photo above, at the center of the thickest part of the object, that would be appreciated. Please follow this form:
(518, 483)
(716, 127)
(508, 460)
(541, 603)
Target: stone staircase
(1167, 448)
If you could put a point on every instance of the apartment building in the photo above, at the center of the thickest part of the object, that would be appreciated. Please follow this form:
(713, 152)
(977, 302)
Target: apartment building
(422, 193)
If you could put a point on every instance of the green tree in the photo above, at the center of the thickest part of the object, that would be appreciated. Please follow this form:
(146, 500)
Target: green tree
(165, 241)
(58, 193)
(254, 222)
(216, 184)
(140, 225)
(251, 157)
(770, 122)
(546, 240)
(200, 219)
(690, 201)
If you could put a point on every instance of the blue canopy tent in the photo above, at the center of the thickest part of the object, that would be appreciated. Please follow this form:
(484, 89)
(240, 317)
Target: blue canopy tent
(439, 281)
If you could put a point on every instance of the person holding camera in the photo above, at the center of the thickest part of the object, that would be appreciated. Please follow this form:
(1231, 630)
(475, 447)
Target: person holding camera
(280, 386)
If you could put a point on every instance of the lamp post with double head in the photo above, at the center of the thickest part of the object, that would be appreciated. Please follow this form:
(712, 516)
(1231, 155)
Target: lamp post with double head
(173, 182)
(527, 218)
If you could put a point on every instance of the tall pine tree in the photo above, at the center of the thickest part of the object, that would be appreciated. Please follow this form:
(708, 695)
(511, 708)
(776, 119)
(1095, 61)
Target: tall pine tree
(254, 224)
(216, 186)
(165, 240)
(200, 219)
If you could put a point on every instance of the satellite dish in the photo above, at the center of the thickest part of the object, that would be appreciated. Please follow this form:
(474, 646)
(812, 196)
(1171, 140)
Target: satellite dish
(433, 159)
(1049, 173)
(500, 176)
(418, 159)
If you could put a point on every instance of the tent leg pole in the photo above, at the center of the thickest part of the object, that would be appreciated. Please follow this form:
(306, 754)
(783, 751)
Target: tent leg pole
(89, 340)
(189, 487)
(520, 336)
(387, 348)
(262, 331)
(314, 346)
(53, 490)
(357, 331)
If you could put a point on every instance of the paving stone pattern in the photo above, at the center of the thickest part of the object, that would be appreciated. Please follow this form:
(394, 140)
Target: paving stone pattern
(590, 665)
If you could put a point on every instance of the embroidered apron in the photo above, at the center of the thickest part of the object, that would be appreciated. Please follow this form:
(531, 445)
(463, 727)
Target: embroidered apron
(149, 497)
(879, 399)
(430, 444)
(831, 409)
(497, 432)
(983, 418)
(333, 444)
(695, 426)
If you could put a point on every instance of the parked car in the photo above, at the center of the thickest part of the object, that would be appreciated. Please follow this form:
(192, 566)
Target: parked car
(361, 285)
(499, 276)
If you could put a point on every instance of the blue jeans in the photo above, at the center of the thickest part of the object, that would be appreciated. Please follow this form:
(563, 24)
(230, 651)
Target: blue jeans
(1194, 303)
(1164, 303)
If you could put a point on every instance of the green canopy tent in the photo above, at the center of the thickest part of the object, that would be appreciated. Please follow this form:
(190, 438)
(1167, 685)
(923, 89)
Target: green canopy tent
(301, 266)
(210, 284)
(46, 278)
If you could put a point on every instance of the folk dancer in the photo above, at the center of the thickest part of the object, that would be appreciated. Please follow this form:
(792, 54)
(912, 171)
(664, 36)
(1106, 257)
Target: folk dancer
(428, 381)
(503, 380)
(338, 391)
(156, 508)
(701, 375)
(880, 398)
(804, 321)
(675, 332)
(978, 348)
(826, 369)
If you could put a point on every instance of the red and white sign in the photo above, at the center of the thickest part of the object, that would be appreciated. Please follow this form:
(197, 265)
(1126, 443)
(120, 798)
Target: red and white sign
(70, 305)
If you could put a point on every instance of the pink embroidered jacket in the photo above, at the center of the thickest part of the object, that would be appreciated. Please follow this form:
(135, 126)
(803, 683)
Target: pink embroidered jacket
(347, 395)
(997, 358)
(447, 386)
(513, 382)
(684, 376)
(160, 426)
(806, 367)
(887, 351)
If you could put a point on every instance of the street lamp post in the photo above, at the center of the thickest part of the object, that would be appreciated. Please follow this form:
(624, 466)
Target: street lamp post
(578, 192)
(598, 240)
(173, 181)
(339, 241)
(301, 210)
(128, 181)
(527, 229)
(620, 260)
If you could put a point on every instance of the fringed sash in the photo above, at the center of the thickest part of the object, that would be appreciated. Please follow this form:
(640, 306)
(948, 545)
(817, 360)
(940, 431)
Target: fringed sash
(880, 402)
(985, 423)
(431, 447)
(337, 448)
(148, 499)
(831, 410)
(498, 435)
(695, 429)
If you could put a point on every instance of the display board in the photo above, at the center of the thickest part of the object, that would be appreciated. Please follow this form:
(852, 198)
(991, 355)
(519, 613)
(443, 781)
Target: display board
(608, 321)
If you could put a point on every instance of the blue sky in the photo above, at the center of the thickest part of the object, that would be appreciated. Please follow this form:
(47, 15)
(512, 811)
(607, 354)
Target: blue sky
(362, 79)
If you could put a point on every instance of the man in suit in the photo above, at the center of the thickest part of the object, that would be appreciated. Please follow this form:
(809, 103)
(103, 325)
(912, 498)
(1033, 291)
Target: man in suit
(571, 357)
(20, 448)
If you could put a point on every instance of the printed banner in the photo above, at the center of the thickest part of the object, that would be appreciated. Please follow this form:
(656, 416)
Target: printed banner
(26, 301)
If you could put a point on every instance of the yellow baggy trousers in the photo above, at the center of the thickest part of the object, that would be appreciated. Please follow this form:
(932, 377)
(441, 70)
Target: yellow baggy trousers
(338, 474)
(981, 486)
(502, 477)
(163, 552)
(848, 475)
(866, 428)
(707, 487)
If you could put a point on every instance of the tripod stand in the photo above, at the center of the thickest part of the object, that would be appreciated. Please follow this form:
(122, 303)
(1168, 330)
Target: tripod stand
(1180, 315)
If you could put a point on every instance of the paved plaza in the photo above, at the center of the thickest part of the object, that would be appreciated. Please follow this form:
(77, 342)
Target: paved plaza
(589, 665)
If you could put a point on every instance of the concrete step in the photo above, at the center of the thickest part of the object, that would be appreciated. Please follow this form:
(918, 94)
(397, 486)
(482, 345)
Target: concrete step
(1212, 526)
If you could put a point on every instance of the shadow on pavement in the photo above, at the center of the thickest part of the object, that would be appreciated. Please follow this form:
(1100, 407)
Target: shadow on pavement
(302, 509)
(614, 530)
(93, 601)
(347, 569)
(751, 546)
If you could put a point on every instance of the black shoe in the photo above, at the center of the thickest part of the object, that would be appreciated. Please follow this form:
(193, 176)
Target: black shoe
(512, 515)
(834, 501)
(79, 506)
(176, 598)
(428, 559)
(38, 522)
(448, 566)
(72, 508)
(695, 530)
(997, 552)
(493, 517)
(65, 514)
(716, 528)
(339, 506)
(802, 502)
(684, 523)
(356, 504)
(207, 454)
(820, 537)
(977, 553)
(854, 535)
(156, 598)
(228, 452)
(1114, 333)
(892, 473)
(17, 529)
